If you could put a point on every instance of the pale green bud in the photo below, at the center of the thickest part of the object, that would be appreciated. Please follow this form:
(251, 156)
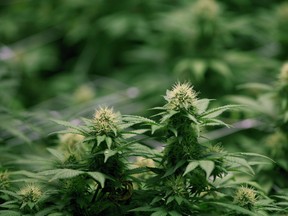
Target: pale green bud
(105, 120)
(30, 193)
(182, 96)
(245, 197)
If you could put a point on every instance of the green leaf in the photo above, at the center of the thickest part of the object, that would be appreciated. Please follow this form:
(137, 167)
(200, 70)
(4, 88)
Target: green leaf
(191, 166)
(157, 108)
(197, 130)
(257, 86)
(171, 170)
(199, 67)
(16, 132)
(89, 138)
(28, 174)
(133, 133)
(10, 204)
(49, 172)
(99, 177)
(46, 211)
(108, 142)
(143, 209)
(138, 119)
(282, 203)
(23, 205)
(108, 153)
(212, 113)
(139, 131)
(179, 199)
(126, 125)
(240, 161)
(64, 123)
(256, 155)
(56, 214)
(100, 139)
(115, 131)
(182, 66)
(70, 125)
(253, 104)
(65, 173)
(127, 135)
(215, 122)
(156, 199)
(168, 115)
(10, 193)
(155, 127)
(9, 213)
(170, 199)
(174, 213)
(31, 204)
(57, 154)
(174, 131)
(281, 197)
(195, 66)
(221, 67)
(192, 118)
(137, 170)
(67, 131)
(202, 105)
(207, 166)
(137, 149)
(160, 212)
(87, 122)
(253, 163)
(235, 208)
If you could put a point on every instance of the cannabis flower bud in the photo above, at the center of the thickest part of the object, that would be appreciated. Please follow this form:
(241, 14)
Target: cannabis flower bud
(30, 193)
(245, 197)
(4, 180)
(83, 94)
(70, 141)
(144, 162)
(207, 9)
(282, 13)
(182, 96)
(105, 120)
(216, 149)
(277, 144)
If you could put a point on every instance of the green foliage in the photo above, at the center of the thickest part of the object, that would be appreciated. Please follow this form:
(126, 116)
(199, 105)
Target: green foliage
(214, 43)
(59, 60)
(93, 171)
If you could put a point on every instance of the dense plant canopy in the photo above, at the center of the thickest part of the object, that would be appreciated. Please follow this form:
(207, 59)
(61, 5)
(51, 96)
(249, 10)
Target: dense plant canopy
(84, 129)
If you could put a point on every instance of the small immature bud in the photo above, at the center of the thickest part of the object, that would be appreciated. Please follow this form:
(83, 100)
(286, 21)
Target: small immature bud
(182, 96)
(105, 120)
(277, 144)
(282, 13)
(30, 193)
(141, 162)
(4, 180)
(207, 9)
(216, 148)
(144, 162)
(83, 94)
(70, 141)
(245, 197)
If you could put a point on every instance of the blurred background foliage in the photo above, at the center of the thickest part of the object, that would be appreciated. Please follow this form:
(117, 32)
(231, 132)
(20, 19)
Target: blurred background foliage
(62, 58)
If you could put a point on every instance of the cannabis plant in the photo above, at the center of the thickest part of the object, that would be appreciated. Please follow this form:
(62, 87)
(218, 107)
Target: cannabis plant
(270, 106)
(105, 165)
(192, 178)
